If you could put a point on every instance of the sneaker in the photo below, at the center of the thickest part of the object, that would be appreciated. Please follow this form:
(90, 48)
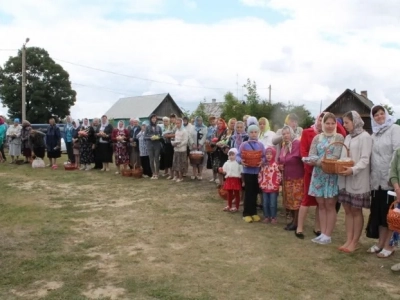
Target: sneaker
(212, 180)
(248, 219)
(193, 177)
(324, 241)
(169, 177)
(315, 240)
(88, 168)
(145, 176)
(256, 218)
(199, 178)
(83, 167)
(175, 178)
(179, 180)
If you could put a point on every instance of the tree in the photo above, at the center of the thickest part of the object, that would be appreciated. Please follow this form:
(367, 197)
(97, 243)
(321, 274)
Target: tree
(201, 111)
(232, 107)
(48, 90)
(389, 109)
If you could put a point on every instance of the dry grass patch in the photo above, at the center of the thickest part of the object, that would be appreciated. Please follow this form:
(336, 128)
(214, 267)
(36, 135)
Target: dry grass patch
(90, 235)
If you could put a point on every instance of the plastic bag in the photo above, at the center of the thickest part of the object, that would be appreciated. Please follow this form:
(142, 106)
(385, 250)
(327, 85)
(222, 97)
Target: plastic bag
(38, 163)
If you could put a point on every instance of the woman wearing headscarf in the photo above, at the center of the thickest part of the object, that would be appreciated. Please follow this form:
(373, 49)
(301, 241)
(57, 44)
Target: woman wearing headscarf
(53, 143)
(292, 168)
(291, 120)
(86, 138)
(307, 137)
(68, 138)
(120, 138)
(3, 131)
(97, 164)
(197, 140)
(14, 140)
(180, 154)
(104, 144)
(324, 187)
(153, 138)
(386, 140)
(240, 135)
(266, 134)
(26, 147)
(167, 155)
(134, 129)
(76, 146)
(354, 182)
(144, 155)
(37, 143)
(212, 122)
(221, 148)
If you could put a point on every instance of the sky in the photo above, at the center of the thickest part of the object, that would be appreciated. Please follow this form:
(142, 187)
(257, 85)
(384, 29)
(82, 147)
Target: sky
(309, 51)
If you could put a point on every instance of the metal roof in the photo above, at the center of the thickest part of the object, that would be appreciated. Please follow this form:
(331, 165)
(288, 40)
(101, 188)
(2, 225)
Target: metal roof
(140, 106)
(214, 108)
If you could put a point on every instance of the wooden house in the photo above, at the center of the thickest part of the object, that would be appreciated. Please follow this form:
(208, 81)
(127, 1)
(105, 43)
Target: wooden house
(213, 108)
(142, 107)
(350, 100)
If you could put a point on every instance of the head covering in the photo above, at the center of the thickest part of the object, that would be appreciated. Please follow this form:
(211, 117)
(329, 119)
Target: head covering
(266, 128)
(197, 124)
(252, 121)
(318, 129)
(16, 120)
(234, 150)
(151, 117)
(76, 124)
(104, 125)
(273, 150)
(253, 128)
(325, 118)
(239, 137)
(85, 120)
(121, 127)
(287, 146)
(389, 121)
(182, 127)
(1, 121)
(358, 124)
(26, 123)
(220, 131)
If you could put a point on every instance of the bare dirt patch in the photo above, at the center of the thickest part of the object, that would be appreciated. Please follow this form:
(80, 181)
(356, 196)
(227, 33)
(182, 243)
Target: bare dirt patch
(103, 292)
(39, 289)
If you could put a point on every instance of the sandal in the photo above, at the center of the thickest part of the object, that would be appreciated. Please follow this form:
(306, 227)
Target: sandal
(385, 253)
(233, 210)
(299, 235)
(226, 208)
(374, 249)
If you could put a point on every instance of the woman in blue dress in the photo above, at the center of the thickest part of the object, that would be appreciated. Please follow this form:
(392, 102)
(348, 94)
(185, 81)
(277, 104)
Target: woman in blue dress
(324, 187)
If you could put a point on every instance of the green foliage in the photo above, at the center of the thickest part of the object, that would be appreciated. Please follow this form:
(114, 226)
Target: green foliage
(254, 106)
(200, 111)
(48, 90)
(389, 109)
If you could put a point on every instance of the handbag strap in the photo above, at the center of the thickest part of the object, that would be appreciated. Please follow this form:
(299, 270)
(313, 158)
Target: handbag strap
(251, 145)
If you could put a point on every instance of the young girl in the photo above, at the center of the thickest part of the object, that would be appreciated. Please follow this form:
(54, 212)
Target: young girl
(250, 175)
(233, 172)
(269, 180)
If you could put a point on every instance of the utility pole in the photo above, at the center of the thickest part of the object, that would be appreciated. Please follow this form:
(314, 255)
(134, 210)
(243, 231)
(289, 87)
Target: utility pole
(24, 79)
(237, 86)
(269, 97)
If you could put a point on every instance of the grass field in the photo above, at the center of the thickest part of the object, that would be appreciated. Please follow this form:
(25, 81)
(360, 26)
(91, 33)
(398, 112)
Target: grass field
(90, 235)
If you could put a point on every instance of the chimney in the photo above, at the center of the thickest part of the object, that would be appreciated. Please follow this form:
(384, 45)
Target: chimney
(214, 100)
(364, 94)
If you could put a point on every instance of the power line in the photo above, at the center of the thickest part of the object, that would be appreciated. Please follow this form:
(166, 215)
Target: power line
(9, 49)
(119, 92)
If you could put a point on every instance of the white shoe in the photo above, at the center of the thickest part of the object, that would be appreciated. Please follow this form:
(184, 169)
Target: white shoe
(324, 241)
(315, 240)
(83, 167)
(212, 180)
(199, 177)
(145, 176)
(116, 173)
(179, 180)
(217, 181)
(88, 168)
(193, 177)
(174, 179)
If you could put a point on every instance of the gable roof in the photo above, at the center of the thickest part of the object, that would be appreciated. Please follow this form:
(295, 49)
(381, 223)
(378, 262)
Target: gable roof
(214, 108)
(140, 106)
(368, 103)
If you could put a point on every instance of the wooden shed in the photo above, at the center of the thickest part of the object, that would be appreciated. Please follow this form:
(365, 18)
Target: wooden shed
(350, 100)
(142, 107)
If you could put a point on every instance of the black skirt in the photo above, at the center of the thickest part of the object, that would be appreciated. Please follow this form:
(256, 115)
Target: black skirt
(167, 157)
(39, 152)
(104, 153)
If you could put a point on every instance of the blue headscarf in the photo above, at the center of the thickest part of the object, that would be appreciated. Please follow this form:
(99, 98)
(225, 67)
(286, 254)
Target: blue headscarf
(197, 124)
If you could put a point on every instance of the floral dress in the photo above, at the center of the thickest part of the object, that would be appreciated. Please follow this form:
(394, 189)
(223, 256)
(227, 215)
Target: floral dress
(324, 185)
(121, 147)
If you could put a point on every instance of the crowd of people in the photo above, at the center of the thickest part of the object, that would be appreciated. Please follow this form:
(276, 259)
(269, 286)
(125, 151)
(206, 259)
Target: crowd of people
(248, 160)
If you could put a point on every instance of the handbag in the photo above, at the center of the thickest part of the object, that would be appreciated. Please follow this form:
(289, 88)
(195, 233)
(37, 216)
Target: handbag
(38, 163)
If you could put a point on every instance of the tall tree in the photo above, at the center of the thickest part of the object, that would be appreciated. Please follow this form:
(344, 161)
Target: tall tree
(48, 90)
(201, 111)
(232, 107)
(389, 109)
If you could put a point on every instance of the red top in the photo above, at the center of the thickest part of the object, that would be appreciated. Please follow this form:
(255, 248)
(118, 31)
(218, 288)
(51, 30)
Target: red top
(117, 132)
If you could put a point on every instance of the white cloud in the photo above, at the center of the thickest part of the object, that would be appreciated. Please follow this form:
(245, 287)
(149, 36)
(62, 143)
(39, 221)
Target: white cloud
(190, 4)
(322, 49)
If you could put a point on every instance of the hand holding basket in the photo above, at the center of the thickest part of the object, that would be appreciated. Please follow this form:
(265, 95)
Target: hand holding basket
(336, 166)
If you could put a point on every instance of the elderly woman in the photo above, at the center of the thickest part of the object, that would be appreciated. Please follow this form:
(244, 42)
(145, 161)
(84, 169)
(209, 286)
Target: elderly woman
(354, 188)
(144, 155)
(37, 143)
(385, 142)
(53, 143)
(97, 163)
(292, 120)
(3, 131)
(26, 147)
(134, 155)
(153, 138)
(292, 168)
(120, 138)
(394, 179)
(104, 148)
(197, 140)
(167, 155)
(180, 154)
(86, 137)
(324, 187)
(14, 140)
(76, 146)
(68, 138)
(250, 175)
(266, 134)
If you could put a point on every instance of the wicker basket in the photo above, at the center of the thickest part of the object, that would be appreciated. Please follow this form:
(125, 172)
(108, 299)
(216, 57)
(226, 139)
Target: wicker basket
(137, 172)
(210, 148)
(393, 218)
(334, 166)
(126, 173)
(196, 158)
(252, 158)
(69, 167)
(223, 193)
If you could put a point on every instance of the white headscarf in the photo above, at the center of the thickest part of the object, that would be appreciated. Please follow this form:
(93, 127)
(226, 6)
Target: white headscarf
(123, 125)
(389, 121)
(85, 125)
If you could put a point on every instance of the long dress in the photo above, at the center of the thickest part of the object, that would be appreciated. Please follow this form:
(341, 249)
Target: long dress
(25, 138)
(53, 140)
(324, 185)
(86, 145)
(14, 142)
(121, 147)
(134, 158)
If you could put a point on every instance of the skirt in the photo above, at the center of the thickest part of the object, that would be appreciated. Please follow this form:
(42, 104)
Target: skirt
(14, 149)
(293, 191)
(233, 184)
(104, 152)
(355, 200)
(54, 153)
(39, 152)
(179, 162)
(27, 152)
(121, 154)
(167, 156)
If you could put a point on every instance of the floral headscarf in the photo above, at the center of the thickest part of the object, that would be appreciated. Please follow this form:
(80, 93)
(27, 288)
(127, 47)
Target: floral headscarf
(358, 124)
(239, 137)
(389, 121)
(316, 128)
(287, 146)
(218, 130)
